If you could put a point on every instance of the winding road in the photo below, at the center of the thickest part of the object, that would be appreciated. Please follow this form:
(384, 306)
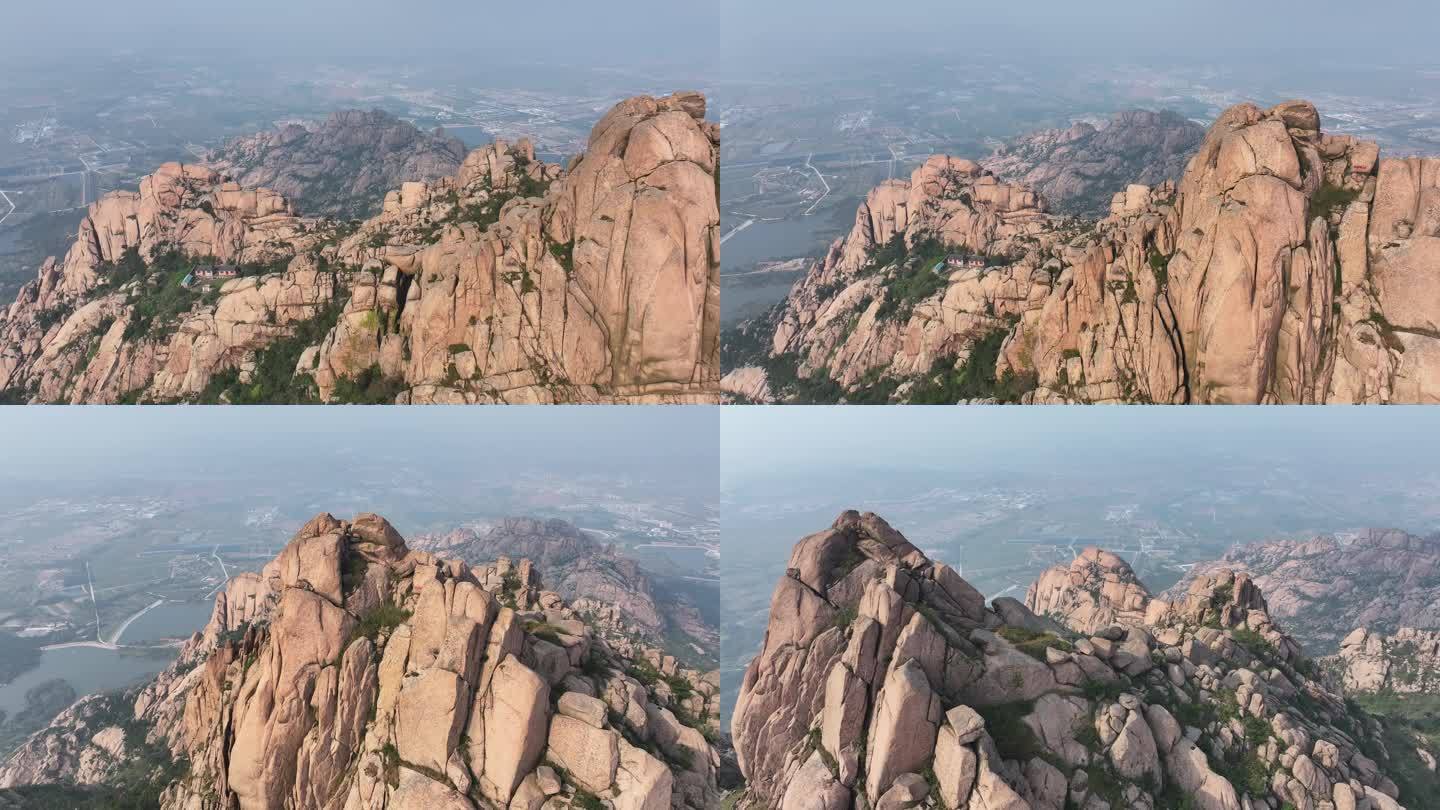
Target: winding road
(113, 642)
(8, 202)
(823, 182)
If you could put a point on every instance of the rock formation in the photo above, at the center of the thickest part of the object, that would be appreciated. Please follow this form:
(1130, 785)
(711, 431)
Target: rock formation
(353, 672)
(343, 166)
(885, 681)
(512, 281)
(1078, 168)
(1287, 266)
(1407, 662)
(1323, 587)
(583, 572)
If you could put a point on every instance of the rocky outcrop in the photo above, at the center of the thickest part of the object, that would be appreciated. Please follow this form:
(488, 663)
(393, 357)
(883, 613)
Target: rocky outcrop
(343, 166)
(512, 281)
(578, 568)
(1271, 273)
(1078, 168)
(83, 745)
(1322, 587)
(354, 672)
(1407, 662)
(1096, 590)
(884, 680)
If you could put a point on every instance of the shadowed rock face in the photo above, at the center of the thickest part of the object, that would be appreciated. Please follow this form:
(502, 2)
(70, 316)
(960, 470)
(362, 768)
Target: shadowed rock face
(343, 166)
(1289, 265)
(354, 672)
(1078, 168)
(1323, 587)
(886, 681)
(511, 281)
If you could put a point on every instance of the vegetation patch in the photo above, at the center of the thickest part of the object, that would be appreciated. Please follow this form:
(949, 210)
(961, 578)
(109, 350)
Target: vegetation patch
(974, 379)
(1032, 643)
(384, 617)
(1006, 723)
(370, 387)
(1327, 199)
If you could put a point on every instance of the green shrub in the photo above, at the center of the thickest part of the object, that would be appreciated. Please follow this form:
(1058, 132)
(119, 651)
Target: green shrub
(1032, 643)
(1326, 200)
(381, 618)
(1006, 724)
(975, 379)
(369, 387)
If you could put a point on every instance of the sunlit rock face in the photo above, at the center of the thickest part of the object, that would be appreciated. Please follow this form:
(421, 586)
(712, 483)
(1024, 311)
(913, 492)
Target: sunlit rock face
(355, 672)
(1288, 265)
(511, 281)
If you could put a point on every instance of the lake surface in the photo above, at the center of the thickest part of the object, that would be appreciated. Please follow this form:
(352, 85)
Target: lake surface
(769, 241)
(86, 669)
(94, 669)
(742, 300)
(686, 559)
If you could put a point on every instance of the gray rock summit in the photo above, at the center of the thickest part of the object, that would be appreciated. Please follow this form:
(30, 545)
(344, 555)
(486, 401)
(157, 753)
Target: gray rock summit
(342, 166)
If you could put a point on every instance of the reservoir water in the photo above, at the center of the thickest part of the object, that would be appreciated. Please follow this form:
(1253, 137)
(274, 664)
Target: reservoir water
(95, 669)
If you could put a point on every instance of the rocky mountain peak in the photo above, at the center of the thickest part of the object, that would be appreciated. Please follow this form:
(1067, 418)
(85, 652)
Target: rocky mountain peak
(1323, 586)
(1096, 590)
(886, 681)
(1152, 303)
(1406, 662)
(355, 672)
(494, 283)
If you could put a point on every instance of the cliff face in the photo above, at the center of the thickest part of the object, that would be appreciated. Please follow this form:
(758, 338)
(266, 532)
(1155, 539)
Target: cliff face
(343, 166)
(886, 681)
(1381, 580)
(1078, 168)
(513, 281)
(353, 672)
(1289, 265)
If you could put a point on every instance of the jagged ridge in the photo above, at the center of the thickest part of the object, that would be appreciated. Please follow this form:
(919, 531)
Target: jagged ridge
(1288, 265)
(514, 281)
(885, 681)
(354, 672)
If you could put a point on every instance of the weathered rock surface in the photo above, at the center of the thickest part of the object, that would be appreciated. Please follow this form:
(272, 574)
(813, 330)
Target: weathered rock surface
(1079, 168)
(576, 566)
(1287, 266)
(343, 166)
(1324, 587)
(1407, 662)
(511, 281)
(356, 673)
(884, 681)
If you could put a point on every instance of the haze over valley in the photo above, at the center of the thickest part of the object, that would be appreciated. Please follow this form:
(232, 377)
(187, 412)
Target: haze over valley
(117, 540)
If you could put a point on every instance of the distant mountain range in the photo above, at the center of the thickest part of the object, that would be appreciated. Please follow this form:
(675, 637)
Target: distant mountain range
(1078, 169)
(342, 167)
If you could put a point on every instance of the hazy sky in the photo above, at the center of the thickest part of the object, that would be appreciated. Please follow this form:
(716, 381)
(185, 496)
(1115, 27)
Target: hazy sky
(108, 441)
(759, 31)
(766, 443)
(563, 32)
